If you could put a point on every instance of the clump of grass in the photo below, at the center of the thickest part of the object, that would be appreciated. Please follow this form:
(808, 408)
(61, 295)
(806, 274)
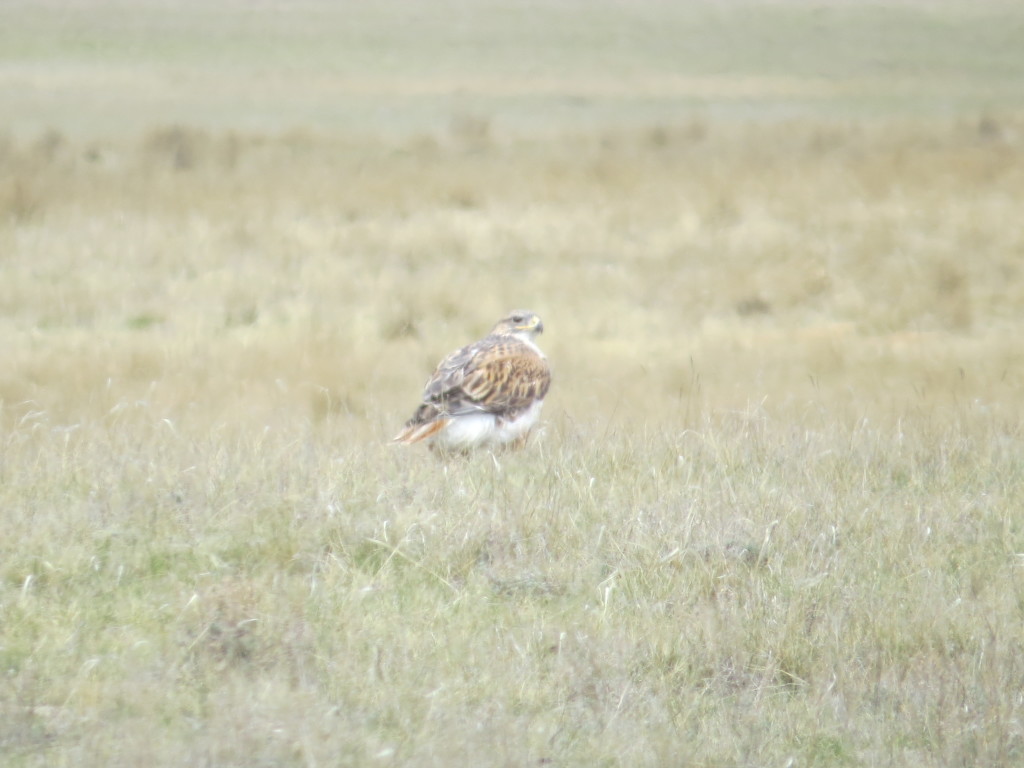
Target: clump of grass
(177, 147)
(20, 202)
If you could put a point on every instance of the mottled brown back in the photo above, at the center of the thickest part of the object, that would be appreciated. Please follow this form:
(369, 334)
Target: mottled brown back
(498, 374)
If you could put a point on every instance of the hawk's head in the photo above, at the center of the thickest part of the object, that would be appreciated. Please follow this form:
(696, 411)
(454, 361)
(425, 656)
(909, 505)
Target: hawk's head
(519, 322)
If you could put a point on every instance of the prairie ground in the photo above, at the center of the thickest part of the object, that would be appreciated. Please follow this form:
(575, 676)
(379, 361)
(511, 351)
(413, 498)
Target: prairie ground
(774, 516)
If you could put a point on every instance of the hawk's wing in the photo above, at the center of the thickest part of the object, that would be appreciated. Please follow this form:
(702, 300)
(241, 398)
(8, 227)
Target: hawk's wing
(499, 374)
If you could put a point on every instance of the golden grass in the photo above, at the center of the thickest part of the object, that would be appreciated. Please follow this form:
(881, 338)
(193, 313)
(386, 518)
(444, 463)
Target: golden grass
(774, 514)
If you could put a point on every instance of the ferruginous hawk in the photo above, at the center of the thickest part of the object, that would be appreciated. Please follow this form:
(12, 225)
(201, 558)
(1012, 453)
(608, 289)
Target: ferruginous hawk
(488, 393)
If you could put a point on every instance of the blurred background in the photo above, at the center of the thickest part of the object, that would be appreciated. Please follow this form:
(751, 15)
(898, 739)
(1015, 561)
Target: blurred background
(270, 212)
(397, 69)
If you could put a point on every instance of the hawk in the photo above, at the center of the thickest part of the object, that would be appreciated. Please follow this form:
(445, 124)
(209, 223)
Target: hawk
(488, 393)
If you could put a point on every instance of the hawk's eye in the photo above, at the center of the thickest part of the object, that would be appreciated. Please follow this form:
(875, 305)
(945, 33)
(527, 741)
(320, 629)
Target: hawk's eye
(517, 318)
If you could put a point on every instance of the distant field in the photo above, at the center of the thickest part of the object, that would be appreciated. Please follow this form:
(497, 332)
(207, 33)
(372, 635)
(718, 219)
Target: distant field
(774, 515)
(398, 68)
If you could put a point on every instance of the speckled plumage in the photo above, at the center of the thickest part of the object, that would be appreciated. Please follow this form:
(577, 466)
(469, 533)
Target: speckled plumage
(486, 393)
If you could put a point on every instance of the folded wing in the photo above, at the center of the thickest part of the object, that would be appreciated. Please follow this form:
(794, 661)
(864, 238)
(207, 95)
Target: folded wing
(499, 375)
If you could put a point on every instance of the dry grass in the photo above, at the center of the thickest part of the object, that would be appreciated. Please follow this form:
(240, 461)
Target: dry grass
(774, 515)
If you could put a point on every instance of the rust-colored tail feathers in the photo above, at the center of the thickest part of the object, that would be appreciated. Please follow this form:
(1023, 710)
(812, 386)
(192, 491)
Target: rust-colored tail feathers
(426, 422)
(414, 433)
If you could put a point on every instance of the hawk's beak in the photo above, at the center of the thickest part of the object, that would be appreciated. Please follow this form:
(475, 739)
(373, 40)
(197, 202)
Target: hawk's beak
(534, 324)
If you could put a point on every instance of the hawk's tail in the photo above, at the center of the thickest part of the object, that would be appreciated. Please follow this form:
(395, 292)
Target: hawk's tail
(426, 422)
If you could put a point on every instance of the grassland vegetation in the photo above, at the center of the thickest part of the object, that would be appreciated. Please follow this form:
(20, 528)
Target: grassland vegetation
(774, 514)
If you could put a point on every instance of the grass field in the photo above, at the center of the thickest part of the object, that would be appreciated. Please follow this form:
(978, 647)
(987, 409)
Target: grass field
(776, 513)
